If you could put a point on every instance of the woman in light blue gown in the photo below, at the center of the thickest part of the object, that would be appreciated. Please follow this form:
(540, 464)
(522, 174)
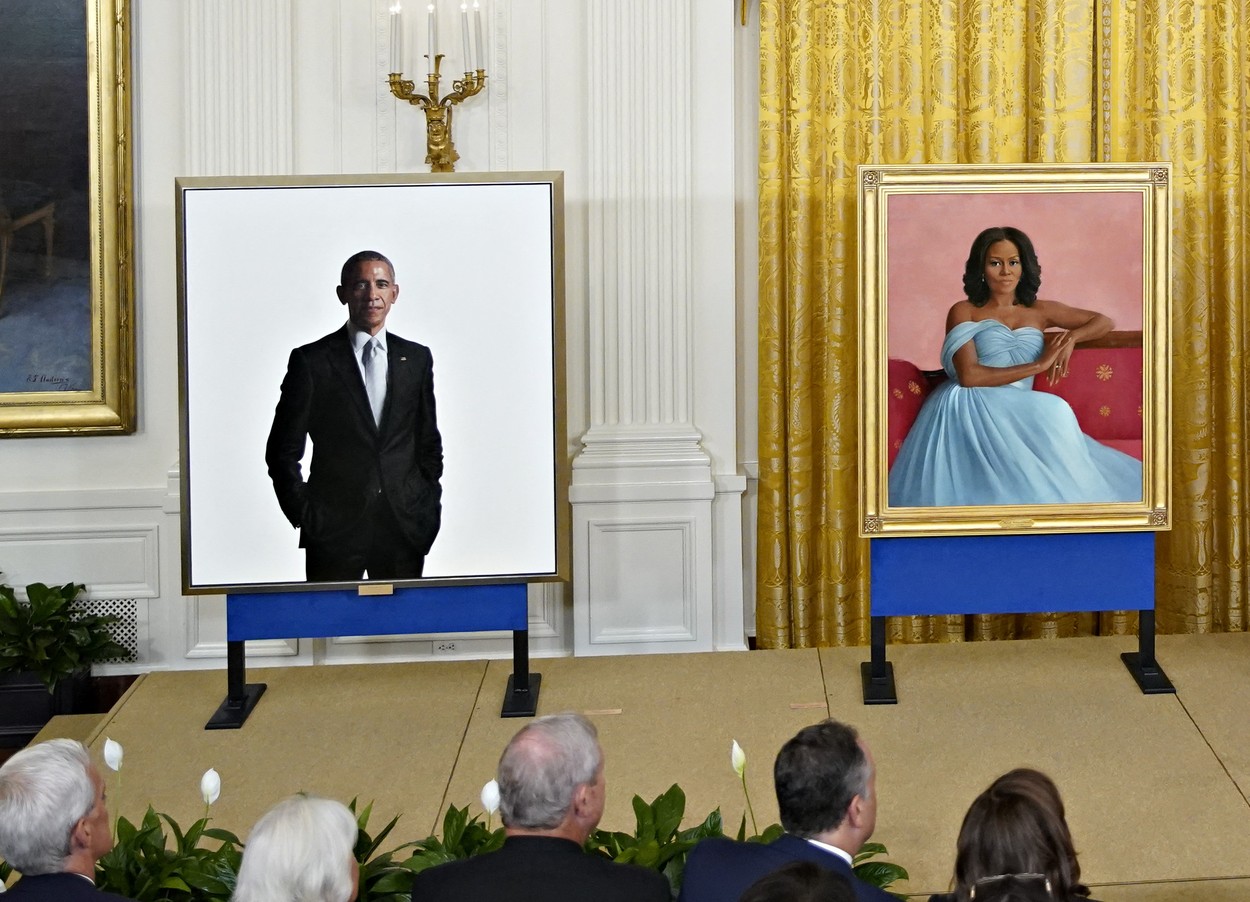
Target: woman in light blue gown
(984, 437)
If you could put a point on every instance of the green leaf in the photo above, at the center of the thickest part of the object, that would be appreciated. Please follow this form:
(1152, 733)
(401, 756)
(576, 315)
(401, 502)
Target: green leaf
(453, 828)
(669, 809)
(880, 873)
(771, 833)
(645, 817)
(223, 835)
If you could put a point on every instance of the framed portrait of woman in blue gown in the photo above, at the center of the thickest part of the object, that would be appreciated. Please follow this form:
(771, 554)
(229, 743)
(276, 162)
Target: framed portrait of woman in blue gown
(1014, 327)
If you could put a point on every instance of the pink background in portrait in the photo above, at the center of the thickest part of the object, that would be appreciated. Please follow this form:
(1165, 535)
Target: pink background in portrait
(1089, 245)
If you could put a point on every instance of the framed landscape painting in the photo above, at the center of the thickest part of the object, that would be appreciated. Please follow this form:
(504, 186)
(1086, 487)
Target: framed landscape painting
(67, 356)
(1014, 329)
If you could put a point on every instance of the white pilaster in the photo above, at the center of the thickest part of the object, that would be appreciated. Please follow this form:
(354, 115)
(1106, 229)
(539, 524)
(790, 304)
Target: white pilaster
(644, 482)
(240, 83)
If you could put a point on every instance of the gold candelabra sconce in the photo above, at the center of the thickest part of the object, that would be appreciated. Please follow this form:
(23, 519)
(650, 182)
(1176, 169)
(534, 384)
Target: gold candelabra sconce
(440, 149)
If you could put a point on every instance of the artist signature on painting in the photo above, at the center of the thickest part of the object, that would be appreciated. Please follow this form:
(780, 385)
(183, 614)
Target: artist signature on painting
(43, 380)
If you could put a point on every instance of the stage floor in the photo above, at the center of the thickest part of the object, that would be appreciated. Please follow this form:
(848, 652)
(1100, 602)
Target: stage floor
(1156, 786)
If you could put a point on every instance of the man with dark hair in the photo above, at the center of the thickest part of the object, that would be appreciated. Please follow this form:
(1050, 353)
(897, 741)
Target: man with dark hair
(826, 793)
(54, 823)
(551, 794)
(372, 501)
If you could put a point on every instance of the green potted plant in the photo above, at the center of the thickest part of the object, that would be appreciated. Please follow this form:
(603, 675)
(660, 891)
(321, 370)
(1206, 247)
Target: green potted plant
(47, 646)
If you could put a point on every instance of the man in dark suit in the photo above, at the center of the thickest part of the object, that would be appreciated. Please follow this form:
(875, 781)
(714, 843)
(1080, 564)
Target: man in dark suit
(54, 824)
(826, 792)
(372, 502)
(551, 793)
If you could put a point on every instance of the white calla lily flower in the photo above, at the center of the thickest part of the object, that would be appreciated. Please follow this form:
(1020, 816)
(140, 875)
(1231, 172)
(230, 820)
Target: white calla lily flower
(490, 797)
(210, 786)
(113, 754)
(738, 758)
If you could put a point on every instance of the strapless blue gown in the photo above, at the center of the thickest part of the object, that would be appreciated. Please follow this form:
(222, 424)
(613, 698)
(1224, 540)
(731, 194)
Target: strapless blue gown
(1007, 444)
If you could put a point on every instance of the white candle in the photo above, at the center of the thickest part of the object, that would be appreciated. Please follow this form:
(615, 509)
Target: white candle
(477, 21)
(432, 24)
(464, 36)
(397, 38)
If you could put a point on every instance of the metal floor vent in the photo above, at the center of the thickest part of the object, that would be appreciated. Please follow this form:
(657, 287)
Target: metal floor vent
(125, 631)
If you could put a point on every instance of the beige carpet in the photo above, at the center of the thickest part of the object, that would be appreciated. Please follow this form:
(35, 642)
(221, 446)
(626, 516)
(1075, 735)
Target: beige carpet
(1151, 782)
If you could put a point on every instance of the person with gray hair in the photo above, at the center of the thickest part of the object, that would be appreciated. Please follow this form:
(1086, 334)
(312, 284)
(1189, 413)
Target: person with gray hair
(301, 850)
(551, 796)
(54, 823)
(826, 794)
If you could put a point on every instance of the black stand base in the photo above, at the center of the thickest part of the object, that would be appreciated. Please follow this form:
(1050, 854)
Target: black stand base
(231, 713)
(521, 701)
(241, 696)
(877, 674)
(521, 697)
(878, 690)
(1150, 676)
(1142, 664)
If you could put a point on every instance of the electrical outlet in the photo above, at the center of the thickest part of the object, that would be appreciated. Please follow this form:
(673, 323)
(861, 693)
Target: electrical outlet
(444, 647)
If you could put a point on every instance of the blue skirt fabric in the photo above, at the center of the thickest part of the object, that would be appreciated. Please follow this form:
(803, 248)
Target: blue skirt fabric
(1007, 444)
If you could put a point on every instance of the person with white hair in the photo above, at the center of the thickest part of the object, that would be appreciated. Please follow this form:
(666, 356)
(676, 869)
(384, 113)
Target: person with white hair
(301, 850)
(551, 793)
(54, 823)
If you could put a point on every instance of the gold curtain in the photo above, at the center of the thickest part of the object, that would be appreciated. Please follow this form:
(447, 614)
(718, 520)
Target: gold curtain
(1005, 81)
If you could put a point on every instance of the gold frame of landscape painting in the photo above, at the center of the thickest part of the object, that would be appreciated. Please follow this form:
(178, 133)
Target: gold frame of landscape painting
(1102, 240)
(67, 298)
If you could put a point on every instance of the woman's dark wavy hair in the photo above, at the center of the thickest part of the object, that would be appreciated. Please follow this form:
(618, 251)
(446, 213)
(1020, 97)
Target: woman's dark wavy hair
(975, 288)
(1017, 826)
(800, 881)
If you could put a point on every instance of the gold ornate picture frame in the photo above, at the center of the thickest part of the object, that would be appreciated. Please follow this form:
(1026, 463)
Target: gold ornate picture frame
(1102, 236)
(67, 360)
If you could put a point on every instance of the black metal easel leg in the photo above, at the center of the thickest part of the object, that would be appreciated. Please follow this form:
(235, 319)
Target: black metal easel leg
(241, 697)
(1142, 664)
(521, 697)
(877, 674)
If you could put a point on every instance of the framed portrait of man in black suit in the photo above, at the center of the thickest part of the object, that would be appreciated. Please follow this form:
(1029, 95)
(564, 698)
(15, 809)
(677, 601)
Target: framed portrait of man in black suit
(371, 381)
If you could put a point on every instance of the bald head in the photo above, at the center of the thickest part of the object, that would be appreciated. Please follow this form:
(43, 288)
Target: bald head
(542, 769)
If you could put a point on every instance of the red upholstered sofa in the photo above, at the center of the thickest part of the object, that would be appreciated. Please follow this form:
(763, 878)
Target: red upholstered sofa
(1103, 387)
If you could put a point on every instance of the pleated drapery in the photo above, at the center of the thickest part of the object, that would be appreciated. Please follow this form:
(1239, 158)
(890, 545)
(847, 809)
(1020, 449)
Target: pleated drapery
(993, 81)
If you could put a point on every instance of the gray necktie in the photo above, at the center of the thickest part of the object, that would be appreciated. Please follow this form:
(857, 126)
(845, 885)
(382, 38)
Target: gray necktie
(375, 377)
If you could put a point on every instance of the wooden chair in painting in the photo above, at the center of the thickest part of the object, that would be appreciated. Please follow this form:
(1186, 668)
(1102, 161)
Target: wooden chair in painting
(24, 204)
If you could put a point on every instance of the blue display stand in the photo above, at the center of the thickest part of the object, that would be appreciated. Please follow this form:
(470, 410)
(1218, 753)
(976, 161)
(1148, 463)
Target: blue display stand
(347, 612)
(1012, 575)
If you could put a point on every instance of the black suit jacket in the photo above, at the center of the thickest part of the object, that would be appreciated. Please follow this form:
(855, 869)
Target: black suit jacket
(58, 888)
(355, 462)
(539, 869)
(721, 870)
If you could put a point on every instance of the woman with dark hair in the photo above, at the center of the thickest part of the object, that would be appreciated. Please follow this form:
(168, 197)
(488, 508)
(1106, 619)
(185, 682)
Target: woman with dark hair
(1016, 829)
(1013, 888)
(800, 881)
(984, 436)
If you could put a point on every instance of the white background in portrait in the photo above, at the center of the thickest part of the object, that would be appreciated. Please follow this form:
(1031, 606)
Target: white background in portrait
(473, 264)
